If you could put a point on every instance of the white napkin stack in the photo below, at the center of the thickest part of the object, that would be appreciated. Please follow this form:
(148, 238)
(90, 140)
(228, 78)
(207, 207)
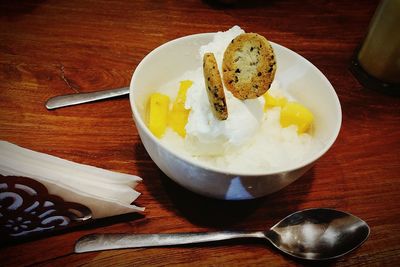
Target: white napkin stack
(104, 192)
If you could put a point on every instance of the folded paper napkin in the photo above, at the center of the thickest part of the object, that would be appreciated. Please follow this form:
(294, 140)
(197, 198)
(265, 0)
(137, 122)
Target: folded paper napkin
(104, 192)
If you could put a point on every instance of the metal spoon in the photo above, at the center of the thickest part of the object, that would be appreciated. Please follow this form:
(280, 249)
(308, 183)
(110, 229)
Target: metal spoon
(79, 98)
(313, 234)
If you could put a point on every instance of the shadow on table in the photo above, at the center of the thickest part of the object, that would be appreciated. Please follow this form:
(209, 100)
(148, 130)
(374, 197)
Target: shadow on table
(260, 213)
(88, 225)
(232, 4)
(13, 9)
(209, 212)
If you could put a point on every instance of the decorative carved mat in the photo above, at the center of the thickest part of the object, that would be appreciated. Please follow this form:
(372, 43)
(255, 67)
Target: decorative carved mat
(27, 209)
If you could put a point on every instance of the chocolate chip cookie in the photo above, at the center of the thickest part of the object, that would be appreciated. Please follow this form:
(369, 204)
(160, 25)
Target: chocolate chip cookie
(214, 87)
(248, 66)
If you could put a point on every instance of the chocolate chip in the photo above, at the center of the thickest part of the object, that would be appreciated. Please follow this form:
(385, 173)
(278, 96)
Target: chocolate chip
(259, 74)
(218, 107)
(237, 71)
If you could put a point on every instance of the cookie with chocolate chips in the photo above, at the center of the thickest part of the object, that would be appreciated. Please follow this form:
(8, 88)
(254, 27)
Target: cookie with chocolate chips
(214, 87)
(248, 66)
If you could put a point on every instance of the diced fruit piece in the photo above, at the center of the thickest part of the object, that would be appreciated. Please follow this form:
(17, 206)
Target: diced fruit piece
(184, 85)
(297, 114)
(271, 101)
(157, 113)
(178, 116)
(177, 120)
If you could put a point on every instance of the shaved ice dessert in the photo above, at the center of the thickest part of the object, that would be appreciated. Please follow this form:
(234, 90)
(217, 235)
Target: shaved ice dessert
(262, 134)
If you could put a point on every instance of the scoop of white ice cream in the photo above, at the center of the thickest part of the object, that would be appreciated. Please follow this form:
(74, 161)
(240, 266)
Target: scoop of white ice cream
(206, 135)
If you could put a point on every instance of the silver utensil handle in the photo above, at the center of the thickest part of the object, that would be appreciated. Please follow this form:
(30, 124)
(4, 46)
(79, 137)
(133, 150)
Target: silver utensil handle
(96, 242)
(79, 98)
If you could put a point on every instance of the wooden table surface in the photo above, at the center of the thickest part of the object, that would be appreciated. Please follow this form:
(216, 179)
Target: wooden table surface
(49, 48)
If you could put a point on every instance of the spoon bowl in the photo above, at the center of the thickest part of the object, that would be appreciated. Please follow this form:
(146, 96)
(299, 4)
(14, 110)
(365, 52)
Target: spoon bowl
(312, 234)
(318, 234)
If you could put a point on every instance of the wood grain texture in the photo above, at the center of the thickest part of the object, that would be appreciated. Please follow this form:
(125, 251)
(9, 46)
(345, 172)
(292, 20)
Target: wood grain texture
(50, 47)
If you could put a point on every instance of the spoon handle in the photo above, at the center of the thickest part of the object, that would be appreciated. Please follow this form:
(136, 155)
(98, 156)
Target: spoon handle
(79, 98)
(96, 242)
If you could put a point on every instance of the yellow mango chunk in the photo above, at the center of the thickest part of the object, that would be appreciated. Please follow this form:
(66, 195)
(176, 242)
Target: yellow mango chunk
(271, 101)
(184, 85)
(178, 116)
(294, 113)
(157, 113)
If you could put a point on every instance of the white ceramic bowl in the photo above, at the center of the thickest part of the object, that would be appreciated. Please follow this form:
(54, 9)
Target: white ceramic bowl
(296, 75)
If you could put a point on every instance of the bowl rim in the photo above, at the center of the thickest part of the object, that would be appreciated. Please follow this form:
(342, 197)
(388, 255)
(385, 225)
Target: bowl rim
(301, 164)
